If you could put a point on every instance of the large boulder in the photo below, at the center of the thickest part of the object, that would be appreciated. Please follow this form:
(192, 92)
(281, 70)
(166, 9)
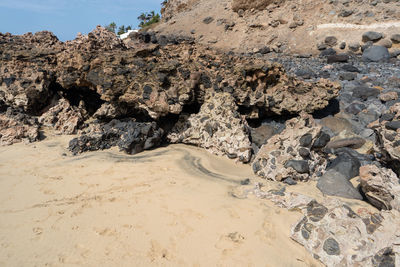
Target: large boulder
(335, 183)
(218, 127)
(376, 53)
(371, 36)
(294, 153)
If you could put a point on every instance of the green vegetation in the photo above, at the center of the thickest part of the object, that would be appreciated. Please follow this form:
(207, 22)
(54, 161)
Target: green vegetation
(146, 20)
(112, 27)
(122, 29)
(149, 18)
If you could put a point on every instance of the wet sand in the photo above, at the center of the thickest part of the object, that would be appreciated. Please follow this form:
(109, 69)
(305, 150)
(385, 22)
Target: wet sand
(166, 207)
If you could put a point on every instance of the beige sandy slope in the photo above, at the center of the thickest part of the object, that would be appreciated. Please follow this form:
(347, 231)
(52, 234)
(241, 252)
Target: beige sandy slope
(253, 30)
(165, 207)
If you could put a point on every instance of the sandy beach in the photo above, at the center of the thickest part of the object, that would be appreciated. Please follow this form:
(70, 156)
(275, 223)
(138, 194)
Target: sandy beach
(166, 207)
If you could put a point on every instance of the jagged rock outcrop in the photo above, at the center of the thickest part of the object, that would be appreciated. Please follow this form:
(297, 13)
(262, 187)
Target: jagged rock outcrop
(16, 127)
(130, 136)
(150, 79)
(64, 118)
(381, 187)
(294, 153)
(218, 127)
(387, 145)
(27, 69)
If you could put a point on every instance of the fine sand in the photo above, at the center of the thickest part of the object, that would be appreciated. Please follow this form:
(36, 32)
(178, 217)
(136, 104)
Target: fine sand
(166, 207)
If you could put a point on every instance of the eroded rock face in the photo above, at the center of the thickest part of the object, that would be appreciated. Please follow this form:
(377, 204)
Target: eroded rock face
(130, 136)
(294, 153)
(387, 129)
(381, 187)
(16, 127)
(218, 127)
(338, 236)
(152, 79)
(64, 118)
(25, 75)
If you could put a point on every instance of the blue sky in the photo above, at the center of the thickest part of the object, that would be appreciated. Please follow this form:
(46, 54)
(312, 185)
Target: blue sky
(68, 17)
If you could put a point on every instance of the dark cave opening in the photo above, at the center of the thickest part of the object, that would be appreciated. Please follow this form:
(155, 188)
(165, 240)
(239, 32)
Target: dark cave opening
(76, 94)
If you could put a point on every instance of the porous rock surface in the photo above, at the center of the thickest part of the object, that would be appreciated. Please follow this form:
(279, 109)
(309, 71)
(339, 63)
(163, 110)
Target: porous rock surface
(152, 79)
(218, 127)
(294, 153)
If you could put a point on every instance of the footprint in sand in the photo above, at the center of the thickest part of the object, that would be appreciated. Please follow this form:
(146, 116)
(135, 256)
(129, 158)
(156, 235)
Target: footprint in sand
(229, 242)
(37, 230)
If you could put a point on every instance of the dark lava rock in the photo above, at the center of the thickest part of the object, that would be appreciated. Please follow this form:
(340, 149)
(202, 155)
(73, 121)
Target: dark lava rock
(395, 38)
(349, 68)
(327, 52)
(304, 152)
(334, 183)
(347, 76)
(130, 136)
(364, 159)
(331, 246)
(321, 140)
(345, 164)
(364, 92)
(345, 13)
(264, 50)
(245, 182)
(260, 135)
(341, 58)
(355, 108)
(305, 73)
(290, 181)
(305, 140)
(342, 45)
(208, 20)
(316, 211)
(300, 166)
(331, 40)
(392, 125)
(387, 117)
(371, 36)
(385, 258)
(321, 46)
(376, 53)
